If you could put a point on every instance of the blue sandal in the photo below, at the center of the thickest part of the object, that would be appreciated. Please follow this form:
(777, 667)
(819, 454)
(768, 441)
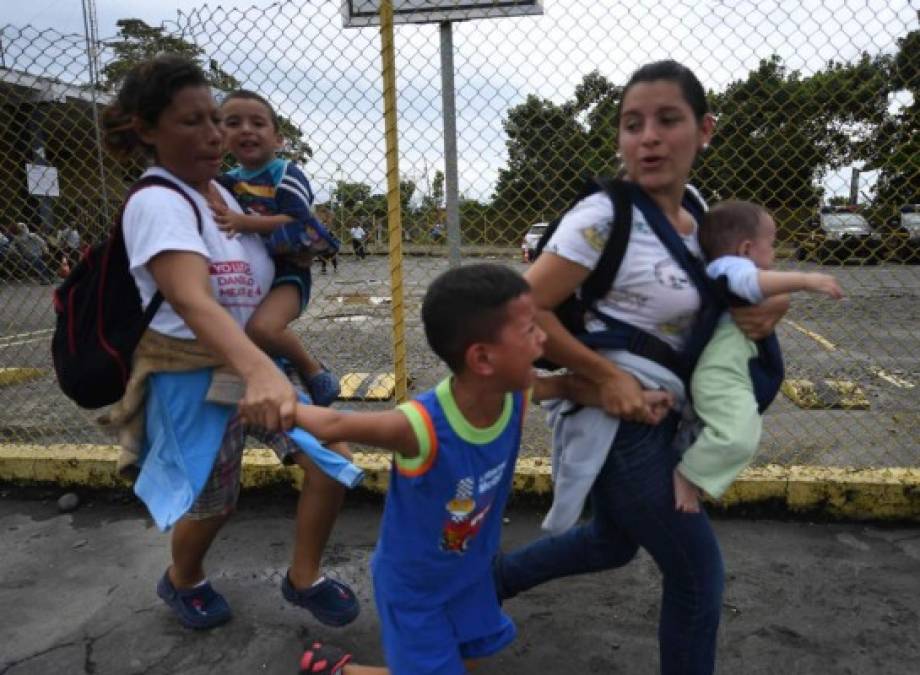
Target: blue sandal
(324, 387)
(330, 601)
(198, 607)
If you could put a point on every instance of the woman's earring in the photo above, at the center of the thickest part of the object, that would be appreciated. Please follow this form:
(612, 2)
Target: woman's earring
(705, 147)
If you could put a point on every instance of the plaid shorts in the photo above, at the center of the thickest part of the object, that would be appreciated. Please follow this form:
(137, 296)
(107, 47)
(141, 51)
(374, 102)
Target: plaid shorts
(221, 491)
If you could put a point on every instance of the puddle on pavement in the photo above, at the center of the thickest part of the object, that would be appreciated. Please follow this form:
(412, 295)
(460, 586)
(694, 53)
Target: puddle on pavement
(361, 299)
(352, 318)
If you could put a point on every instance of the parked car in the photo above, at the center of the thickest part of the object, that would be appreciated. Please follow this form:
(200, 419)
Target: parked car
(839, 234)
(902, 234)
(529, 244)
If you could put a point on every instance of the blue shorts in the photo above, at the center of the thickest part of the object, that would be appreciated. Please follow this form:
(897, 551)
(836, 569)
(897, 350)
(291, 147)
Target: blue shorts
(289, 272)
(435, 640)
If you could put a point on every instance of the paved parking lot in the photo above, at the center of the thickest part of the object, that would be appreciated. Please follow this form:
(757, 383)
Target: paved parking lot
(77, 593)
(870, 339)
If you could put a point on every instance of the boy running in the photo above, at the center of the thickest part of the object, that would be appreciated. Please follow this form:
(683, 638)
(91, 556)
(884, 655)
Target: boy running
(454, 452)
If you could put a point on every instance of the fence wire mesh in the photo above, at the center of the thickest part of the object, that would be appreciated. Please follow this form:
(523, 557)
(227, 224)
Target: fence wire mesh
(803, 93)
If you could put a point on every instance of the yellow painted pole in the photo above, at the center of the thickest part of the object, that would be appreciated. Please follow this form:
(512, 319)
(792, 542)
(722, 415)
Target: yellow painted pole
(394, 217)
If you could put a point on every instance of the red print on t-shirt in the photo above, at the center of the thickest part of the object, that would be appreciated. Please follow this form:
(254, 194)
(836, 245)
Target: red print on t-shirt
(236, 286)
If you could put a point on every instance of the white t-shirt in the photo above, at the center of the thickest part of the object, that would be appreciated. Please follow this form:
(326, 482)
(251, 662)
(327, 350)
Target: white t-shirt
(740, 273)
(651, 290)
(156, 219)
(357, 232)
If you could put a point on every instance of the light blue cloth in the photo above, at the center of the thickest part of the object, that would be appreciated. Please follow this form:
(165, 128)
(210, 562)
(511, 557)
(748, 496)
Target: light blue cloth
(182, 439)
(331, 463)
(581, 441)
(183, 435)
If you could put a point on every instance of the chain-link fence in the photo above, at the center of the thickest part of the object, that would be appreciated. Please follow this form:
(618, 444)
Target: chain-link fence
(803, 93)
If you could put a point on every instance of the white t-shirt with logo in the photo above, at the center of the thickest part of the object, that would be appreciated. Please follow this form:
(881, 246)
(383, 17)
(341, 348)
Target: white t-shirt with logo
(651, 290)
(157, 219)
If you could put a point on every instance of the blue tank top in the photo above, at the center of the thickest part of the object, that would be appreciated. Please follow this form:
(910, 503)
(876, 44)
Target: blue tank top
(443, 515)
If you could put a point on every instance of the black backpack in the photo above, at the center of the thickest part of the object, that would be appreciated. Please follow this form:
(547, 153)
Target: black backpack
(99, 316)
(571, 311)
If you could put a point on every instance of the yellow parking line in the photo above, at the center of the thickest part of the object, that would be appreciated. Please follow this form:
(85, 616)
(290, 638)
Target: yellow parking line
(367, 386)
(893, 379)
(10, 376)
(42, 331)
(24, 342)
(25, 338)
(823, 341)
(825, 394)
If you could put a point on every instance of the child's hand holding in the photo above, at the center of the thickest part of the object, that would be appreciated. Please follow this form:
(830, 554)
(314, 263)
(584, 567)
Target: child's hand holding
(658, 404)
(227, 221)
(824, 283)
(686, 494)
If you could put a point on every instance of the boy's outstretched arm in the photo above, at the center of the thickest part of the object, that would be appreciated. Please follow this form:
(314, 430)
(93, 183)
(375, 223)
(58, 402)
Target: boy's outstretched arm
(388, 430)
(772, 283)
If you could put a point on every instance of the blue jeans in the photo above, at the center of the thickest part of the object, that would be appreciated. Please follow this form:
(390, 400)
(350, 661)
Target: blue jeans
(632, 502)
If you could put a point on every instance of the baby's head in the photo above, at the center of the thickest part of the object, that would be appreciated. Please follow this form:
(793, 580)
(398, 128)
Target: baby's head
(252, 128)
(480, 320)
(739, 228)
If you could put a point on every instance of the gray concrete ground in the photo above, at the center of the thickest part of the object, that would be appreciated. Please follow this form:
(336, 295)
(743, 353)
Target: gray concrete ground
(870, 339)
(77, 596)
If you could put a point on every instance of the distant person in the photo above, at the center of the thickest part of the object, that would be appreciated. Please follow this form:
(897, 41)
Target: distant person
(358, 235)
(32, 249)
(325, 258)
(437, 232)
(4, 248)
(454, 449)
(278, 201)
(738, 239)
(65, 247)
(70, 241)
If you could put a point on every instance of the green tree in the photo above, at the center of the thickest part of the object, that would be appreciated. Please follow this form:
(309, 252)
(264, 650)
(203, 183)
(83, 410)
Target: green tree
(437, 188)
(137, 42)
(406, 190)
(546, 158)
(762, 149)
(778, 132)
(350, 196)
(893, 149)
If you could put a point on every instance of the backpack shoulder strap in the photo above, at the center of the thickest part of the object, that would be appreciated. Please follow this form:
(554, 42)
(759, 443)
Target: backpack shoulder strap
(600, 280)
(158, 181)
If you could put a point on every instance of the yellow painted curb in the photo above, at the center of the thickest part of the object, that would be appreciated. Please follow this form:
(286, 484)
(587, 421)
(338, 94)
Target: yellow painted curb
(10, 376)
(862, 494)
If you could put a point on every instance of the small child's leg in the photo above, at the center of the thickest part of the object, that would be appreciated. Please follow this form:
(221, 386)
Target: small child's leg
(268, 328)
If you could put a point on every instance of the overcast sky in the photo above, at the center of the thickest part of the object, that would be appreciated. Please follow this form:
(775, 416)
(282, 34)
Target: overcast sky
(327, 78)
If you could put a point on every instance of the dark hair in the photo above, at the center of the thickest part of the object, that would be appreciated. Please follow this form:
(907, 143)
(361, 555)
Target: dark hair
(146, 92)
(247, 95)
(466, 305)
(671, 71)
(728, 224)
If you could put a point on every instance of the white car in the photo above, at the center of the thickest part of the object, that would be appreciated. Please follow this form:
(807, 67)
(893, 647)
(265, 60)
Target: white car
(531, 239)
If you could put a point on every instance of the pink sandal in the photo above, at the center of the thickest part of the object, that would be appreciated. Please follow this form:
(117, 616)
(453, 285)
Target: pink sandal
(321, 659)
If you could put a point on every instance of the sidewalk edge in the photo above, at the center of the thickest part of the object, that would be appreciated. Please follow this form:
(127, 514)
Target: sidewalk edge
(839, 492)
